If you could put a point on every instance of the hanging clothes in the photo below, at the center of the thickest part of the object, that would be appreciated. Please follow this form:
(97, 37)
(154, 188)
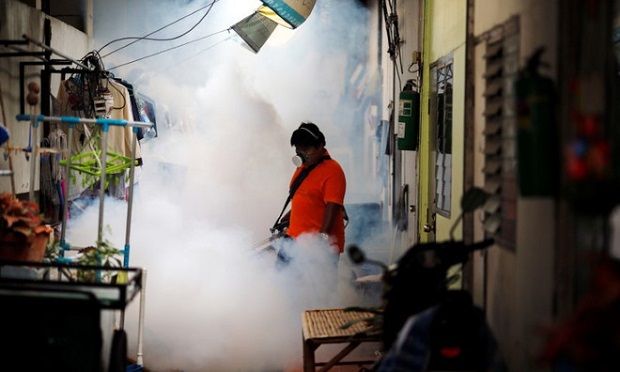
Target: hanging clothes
(146, 111)
(77, 96)
(134, 102)
(57, 140)
(71, 99)
(50, 200)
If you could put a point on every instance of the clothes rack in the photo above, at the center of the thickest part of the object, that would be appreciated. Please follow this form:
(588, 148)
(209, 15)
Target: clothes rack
(105, 125)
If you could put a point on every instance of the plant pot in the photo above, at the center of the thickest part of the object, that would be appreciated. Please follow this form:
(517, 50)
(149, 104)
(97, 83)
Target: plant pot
(17, 247)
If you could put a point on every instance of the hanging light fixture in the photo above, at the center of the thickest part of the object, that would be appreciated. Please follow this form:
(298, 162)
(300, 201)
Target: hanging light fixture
(288, 13)
(255, 29)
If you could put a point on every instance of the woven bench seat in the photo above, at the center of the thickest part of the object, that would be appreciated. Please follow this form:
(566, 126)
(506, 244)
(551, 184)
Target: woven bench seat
(324, 326)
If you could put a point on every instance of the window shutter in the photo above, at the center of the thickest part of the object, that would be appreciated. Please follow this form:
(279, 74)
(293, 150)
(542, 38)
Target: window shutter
(501, 69)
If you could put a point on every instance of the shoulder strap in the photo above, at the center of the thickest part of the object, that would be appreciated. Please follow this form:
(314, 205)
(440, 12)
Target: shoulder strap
(302, 176)
(295, 185)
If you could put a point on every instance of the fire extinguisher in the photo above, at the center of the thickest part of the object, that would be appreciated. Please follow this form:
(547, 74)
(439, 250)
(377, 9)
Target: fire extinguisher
(537, 139)
(408, 117)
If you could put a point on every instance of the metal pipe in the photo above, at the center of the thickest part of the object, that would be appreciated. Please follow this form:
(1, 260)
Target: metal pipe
(132, 168)
(77, 120)
(141, 318)
(34, 125)
(36, 42)
(65, 206)
(7, 144)
(24, 53)
(104, 148)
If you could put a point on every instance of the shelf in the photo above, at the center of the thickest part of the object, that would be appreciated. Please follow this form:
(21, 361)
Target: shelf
(112, 287)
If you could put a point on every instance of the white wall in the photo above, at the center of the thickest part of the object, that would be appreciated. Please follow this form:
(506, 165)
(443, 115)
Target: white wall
(410, 23)
(17, 19)
(520, 283)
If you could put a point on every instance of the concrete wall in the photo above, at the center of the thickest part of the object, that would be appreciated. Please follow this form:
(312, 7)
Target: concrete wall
(410, 14)
(395, 73)
(17, 19)
(519, 290)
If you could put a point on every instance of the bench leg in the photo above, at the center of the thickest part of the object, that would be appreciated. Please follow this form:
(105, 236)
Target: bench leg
(309, 348)
(344, 352)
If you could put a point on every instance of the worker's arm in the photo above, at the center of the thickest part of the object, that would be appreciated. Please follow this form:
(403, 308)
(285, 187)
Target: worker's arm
(285, 220)
(329, 217)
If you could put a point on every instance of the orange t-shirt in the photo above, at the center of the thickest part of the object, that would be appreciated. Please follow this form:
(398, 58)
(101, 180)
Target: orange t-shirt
(324, 184)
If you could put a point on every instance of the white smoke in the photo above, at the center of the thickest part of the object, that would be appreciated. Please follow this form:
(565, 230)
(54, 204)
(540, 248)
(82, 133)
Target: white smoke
(210, 189)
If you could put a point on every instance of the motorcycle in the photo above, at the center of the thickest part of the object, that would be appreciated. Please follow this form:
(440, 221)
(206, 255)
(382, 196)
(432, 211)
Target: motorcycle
(425, 325)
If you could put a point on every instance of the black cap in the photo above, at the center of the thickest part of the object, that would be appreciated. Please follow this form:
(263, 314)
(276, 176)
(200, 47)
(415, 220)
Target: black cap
(308, 134)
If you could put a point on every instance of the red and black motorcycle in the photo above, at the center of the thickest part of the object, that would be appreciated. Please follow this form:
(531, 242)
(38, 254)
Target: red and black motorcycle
(425, 325)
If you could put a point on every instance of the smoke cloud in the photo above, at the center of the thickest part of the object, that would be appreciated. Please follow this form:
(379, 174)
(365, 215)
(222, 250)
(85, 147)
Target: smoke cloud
(215, 179)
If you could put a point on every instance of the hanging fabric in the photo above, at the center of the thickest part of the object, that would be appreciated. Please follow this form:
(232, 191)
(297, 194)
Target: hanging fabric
(58, 140)
(102, 97)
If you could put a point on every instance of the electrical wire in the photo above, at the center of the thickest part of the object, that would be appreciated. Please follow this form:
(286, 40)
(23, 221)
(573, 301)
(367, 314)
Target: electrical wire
(177, 64)
(204, 50)
(167, 50)
(391, 28)
(121, 94)
(396, 41)
(388, 30)
(146, 37)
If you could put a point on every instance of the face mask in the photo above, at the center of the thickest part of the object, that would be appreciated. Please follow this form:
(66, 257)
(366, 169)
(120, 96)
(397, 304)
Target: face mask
(299, 159)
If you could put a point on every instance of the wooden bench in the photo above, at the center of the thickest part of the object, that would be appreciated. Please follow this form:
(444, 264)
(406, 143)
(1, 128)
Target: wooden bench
(324, 326)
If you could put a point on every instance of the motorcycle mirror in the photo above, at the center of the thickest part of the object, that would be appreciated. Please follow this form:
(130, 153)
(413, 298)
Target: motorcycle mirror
(473, 199)
(356, 255)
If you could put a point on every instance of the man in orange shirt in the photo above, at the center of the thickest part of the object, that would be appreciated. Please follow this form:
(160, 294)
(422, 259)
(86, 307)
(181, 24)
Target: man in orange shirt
(317, 204)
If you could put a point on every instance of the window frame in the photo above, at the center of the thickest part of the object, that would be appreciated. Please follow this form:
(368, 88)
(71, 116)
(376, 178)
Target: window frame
(441, 114)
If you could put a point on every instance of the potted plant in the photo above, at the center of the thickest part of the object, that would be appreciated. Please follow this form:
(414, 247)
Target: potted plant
(104, 254)
(23, 234)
